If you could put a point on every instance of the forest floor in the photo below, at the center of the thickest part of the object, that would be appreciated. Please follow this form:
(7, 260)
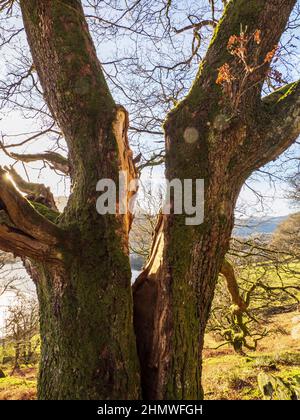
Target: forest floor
(19, 386)
(226, 375)
(229, 376)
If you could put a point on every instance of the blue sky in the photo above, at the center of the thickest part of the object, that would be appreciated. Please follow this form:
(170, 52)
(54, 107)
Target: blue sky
(13, 123)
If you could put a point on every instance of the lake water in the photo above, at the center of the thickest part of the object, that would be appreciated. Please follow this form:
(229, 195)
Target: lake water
(135, 274)
(22, 283)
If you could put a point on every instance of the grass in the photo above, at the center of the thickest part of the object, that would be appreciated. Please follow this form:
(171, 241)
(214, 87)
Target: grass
(226, 375)
(21, 386)
(229, 376)
(235, 377)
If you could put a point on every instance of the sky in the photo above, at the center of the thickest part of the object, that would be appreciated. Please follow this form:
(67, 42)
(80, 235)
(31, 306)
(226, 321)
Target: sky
(13, 123)
(274, 203)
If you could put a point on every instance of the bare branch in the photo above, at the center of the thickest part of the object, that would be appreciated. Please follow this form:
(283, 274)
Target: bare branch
(197, 26)
(22, 245)
(227, 271)
(53, 159)
(33, 137)
(6, 5)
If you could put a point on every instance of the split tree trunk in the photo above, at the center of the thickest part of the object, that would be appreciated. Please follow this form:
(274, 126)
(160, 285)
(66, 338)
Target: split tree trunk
(207, 137)
(81, 263)
(173, 295)
(88, 348)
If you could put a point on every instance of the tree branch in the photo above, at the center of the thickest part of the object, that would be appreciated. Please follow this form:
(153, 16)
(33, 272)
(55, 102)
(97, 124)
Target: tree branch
(6, 5)
(227, 271)
(34, 191)
(54, 160)
(69, 71)
(33, 137)
(250, 16)
(24, 216)
(279, 126)
(196, 26)
(22, 245)
(283, 107)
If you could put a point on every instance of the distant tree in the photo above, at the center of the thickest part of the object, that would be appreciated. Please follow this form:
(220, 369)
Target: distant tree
(21, 325)
(8, 280)
(294, 193)
(259, 280)
(286, 237)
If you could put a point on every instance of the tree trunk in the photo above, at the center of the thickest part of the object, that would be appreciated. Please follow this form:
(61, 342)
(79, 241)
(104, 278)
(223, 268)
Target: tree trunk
(88, 342)
(208, 138)
(178, 283)
(80, 259)
(16, 366)
(88, 346)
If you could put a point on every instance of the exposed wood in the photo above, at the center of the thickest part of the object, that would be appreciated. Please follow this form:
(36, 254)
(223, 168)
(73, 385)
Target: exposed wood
(34, 190)
(227, 271)
(24, 216)
(15, 241)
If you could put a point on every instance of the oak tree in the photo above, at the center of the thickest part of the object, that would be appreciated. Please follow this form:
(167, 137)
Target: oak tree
(95, 342)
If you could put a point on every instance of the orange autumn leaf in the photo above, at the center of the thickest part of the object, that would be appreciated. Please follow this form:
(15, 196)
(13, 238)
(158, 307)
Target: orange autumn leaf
(232, 41)
(269, 57)
(224, 74)
(257, 36)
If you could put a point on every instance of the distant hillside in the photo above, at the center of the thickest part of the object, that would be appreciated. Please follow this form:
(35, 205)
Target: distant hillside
(244, 228)
(252, 226)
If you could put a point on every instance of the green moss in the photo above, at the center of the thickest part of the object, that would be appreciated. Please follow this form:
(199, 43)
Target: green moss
(88, 344)
(12, 381)
(49, 214)
(72, 38)
(97, 294)
(280, 94)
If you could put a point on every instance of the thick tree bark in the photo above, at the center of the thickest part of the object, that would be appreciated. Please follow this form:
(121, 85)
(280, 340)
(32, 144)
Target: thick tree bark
(224, 149)
(180, 279)
(88, 342)
(88, 348)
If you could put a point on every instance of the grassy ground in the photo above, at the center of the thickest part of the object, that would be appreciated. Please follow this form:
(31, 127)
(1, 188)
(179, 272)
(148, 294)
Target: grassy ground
(20, 386)
(227, 375)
